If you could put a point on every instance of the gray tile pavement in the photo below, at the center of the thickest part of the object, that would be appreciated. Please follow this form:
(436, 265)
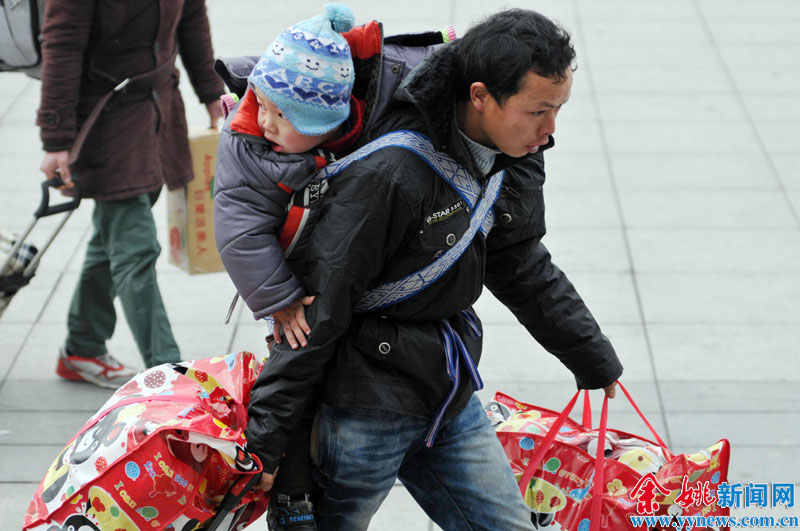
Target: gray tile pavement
(673, 202)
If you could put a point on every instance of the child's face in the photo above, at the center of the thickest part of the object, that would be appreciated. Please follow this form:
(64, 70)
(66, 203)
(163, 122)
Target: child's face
(280, 132)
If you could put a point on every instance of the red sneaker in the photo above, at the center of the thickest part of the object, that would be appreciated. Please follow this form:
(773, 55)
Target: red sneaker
(104, 371)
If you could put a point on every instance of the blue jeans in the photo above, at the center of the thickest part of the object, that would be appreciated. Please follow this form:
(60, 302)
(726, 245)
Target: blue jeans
(463, 482)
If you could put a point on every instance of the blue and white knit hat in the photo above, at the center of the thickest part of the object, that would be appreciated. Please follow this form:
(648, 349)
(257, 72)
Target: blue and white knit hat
(307, 72)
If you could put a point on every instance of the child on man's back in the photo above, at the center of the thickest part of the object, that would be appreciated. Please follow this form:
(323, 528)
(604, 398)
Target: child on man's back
(297, 115)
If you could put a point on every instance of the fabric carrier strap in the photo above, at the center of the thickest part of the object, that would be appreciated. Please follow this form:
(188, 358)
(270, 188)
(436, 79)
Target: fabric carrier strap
(482, 215)
(458, 177)
(480, 201)
(455, 353)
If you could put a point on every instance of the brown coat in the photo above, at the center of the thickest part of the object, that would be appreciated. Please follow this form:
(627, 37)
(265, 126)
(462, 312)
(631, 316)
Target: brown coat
(140, 140)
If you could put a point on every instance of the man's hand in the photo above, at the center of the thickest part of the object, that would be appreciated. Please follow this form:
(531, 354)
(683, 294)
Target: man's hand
(214, 109)
(267, 480)
(293, 320)
(54, 164)
(611, 390)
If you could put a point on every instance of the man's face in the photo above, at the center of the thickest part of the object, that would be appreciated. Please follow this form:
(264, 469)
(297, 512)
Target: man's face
(525, 120)
(280, 132)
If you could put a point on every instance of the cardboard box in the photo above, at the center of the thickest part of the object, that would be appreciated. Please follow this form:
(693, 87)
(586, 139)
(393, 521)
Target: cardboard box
(190, 210)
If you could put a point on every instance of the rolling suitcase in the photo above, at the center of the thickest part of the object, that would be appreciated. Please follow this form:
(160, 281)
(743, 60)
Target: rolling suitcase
(21, 259)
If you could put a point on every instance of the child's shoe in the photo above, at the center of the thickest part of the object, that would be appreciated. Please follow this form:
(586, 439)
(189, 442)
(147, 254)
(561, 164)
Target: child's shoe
(295, 513)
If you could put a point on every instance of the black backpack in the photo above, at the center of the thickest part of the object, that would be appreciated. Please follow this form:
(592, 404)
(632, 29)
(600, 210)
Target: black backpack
(20, 36)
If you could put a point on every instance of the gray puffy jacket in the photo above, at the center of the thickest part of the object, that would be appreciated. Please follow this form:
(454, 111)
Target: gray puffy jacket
(253, 184)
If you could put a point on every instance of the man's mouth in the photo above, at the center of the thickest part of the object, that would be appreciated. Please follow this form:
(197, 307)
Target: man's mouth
(533, 148)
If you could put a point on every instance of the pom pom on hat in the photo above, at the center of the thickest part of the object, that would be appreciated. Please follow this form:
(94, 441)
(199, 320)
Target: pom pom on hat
(341, 17)
(307, 71)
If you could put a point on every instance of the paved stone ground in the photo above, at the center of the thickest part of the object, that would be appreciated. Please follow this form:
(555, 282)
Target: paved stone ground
(673, 204)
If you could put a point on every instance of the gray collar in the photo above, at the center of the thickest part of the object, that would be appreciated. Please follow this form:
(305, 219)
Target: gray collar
(484, 156)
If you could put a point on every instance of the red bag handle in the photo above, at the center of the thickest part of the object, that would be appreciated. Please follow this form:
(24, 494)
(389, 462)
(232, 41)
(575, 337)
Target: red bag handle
(538, 455)
(587, 417)
(599, 469)
(661, 443)
(587, 410)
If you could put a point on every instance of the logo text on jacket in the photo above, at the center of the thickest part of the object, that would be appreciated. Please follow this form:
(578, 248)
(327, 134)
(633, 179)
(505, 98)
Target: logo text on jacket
(445, 213)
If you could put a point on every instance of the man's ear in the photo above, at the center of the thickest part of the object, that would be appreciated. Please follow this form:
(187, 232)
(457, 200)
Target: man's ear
(478, 95)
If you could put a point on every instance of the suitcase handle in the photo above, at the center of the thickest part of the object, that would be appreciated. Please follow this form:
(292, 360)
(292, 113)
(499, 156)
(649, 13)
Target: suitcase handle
(45, 209)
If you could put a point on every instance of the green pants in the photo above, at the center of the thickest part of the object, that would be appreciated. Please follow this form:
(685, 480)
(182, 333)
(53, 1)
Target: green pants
(120, 262)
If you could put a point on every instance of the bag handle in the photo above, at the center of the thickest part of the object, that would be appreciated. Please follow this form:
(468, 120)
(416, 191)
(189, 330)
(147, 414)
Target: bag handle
(599, 469)
(587, 410)
(587, 417)
(661, 443)
(538, 455)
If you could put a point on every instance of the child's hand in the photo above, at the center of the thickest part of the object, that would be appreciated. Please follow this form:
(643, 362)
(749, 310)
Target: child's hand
(293, 320)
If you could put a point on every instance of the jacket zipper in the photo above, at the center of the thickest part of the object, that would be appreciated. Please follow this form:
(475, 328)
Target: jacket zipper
(377, 84)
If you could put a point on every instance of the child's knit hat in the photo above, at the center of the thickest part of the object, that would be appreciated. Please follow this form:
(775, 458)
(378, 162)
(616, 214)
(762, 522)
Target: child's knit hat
(307, 72)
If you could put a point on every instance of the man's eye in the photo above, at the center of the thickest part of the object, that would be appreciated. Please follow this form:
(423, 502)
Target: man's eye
(280, 115)
(538, 113)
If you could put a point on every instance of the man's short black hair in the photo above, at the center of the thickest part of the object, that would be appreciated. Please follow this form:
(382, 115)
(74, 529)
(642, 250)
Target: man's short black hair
(503, 48)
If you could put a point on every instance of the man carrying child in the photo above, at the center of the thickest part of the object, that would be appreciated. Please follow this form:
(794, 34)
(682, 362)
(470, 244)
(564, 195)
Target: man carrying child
(396, 384)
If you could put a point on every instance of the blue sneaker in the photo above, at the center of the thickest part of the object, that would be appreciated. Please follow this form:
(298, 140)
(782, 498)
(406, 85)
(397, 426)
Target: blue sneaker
(294, 513)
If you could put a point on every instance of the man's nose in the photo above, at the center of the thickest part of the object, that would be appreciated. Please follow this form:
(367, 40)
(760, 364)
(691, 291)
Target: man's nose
(549, 125)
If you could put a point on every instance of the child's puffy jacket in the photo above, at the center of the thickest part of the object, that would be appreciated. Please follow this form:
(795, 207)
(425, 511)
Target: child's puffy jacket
(253, 184)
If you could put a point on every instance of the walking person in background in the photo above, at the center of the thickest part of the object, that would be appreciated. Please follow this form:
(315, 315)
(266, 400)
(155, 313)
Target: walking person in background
(118, 59)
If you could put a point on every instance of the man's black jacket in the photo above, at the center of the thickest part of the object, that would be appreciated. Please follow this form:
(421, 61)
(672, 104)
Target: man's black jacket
(379, 224)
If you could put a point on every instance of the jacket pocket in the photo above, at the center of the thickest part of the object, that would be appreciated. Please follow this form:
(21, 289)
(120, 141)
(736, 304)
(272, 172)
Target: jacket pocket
(520, 210)
(410, 350)
(438, 235)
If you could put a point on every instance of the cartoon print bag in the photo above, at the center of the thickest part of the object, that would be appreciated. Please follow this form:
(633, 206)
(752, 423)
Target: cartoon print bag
(563, 474)
(160, 454)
